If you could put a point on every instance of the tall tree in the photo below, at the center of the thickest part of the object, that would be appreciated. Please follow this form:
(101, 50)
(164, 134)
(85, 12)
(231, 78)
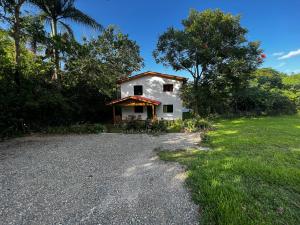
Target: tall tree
(100, 62)
(34, 33)
(12, 15)
(211, 46)
(57, 12)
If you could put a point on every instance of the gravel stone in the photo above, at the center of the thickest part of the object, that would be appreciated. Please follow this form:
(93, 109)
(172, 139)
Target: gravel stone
(94, 179)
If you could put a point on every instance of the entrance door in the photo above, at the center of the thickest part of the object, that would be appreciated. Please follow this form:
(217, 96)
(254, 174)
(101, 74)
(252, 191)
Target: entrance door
(149, 113)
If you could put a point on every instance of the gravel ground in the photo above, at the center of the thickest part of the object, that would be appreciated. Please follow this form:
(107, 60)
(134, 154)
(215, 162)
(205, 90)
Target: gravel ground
(93, 179)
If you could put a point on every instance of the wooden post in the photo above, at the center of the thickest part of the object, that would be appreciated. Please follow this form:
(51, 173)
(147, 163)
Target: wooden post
(114, 115)
(153, 112)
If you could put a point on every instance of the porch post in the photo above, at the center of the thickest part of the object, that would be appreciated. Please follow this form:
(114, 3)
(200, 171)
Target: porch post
(153, 112)
(114, 115)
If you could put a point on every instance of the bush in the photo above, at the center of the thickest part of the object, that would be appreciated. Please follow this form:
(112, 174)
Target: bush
(76, 129)
(196, 124)
(265, 102)
(174, 126)
(159, 126)
(134, 126)
(187, 115)
(153, 126)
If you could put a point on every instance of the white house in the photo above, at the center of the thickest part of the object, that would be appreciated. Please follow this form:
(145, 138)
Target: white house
(149, 95)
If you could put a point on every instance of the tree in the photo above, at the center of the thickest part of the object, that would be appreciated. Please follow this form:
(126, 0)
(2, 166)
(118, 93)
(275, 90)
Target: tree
(12, 15)
(35, 34)
(101, 61)
(57, 12)
(213, 48)
(92, 68)
(268, 78)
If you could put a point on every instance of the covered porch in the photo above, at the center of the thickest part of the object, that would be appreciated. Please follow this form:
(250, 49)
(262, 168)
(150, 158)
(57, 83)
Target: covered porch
(134, 108)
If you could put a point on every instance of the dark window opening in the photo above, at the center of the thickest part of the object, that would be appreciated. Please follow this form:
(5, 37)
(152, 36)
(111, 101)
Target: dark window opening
(138, 109)
(168, 108)
(138, 90)
(168, 87)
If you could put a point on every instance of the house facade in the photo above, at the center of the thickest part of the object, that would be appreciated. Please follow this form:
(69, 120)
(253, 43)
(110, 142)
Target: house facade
(149, 95)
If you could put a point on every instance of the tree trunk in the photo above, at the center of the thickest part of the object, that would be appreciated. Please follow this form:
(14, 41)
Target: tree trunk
(196, 90)
(16, 34)
(55, 75)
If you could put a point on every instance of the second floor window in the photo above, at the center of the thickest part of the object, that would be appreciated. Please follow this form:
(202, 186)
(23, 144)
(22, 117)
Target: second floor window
(138, 90)
(168, 87)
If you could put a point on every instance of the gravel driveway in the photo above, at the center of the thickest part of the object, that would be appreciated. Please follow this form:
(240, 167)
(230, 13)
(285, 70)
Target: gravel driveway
(93, 179)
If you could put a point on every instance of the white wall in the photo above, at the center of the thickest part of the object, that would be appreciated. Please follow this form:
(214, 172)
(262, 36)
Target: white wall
(153, 89)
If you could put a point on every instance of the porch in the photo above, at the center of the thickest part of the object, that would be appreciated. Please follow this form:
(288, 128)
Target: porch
(134, 108)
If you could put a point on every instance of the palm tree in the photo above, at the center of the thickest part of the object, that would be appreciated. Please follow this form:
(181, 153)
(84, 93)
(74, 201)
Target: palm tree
(57, 12)
(35, 33)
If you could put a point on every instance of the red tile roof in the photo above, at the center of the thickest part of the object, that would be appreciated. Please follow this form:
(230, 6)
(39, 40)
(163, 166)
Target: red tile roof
(135, 98)
(149, 73)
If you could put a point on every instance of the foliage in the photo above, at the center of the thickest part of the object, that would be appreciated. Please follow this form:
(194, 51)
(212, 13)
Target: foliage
(292, 88)
(266, 102)
(39, 102)
(196, 124)
(159, 126)
(134, 126)
(266, 94)
(55, 13)
(251, 175)
(35, 104)
(76, 129)
(187, 115)
(100, 62)
(213, 48)
(270, 81)
(174, 126)
(170, 126)
(268, 78)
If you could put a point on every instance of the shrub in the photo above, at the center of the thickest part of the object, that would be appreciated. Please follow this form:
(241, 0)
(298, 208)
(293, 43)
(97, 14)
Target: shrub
(187, 115)
(134, 126)
(265, 102)
(159, 126)
(196, 124)
(174, 126)
(76, 129)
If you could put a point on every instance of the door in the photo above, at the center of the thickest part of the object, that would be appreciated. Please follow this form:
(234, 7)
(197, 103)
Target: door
(149, 113)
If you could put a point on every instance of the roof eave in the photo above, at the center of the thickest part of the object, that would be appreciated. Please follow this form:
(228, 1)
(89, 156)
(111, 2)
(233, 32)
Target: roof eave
(167, 76)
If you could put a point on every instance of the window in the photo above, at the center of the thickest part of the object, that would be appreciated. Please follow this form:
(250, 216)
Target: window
(138, 109)
(168, 108)
(168, 87)
(138, 90)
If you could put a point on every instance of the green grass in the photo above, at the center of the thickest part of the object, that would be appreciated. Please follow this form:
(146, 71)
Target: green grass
(251, 175)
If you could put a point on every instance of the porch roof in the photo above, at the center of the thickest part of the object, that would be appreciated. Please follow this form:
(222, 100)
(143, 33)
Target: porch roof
(134, 100)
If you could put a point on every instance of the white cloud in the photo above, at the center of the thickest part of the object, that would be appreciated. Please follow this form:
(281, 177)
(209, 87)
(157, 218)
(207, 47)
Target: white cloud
(281, 65)
(278, 54)
(290, 54)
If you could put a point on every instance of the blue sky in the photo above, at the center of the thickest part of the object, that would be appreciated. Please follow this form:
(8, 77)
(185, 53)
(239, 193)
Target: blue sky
(276, 23)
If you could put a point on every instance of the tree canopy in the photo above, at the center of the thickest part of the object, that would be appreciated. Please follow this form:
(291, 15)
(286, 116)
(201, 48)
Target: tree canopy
(213, 48)
(211, 43)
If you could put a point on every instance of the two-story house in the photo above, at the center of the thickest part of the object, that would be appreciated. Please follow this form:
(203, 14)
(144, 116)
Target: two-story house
(150, 95)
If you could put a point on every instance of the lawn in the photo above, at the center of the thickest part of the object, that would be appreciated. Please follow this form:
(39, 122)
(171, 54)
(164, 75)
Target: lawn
(251, 175)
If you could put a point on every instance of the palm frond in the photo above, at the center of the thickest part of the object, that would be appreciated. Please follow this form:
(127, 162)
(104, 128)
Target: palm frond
(43, 5)
(77, 16)
(67, 28)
